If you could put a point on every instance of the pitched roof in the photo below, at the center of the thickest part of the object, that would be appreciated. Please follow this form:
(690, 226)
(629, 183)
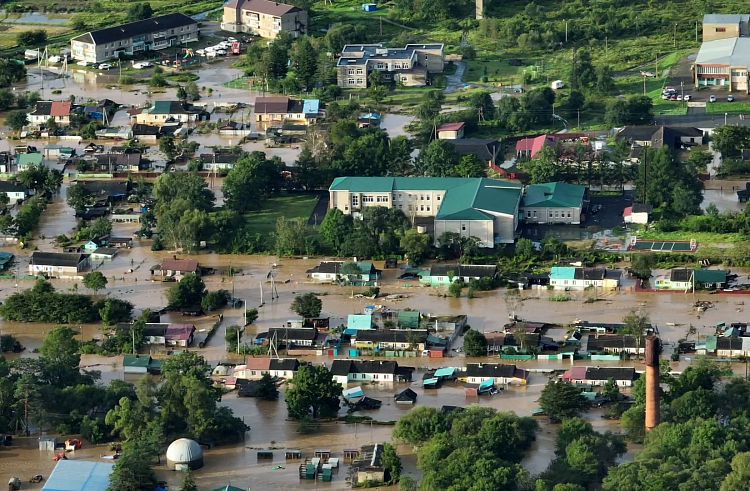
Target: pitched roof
(145, 129)
(711, 275)
(29, 158)
(263, 6)
(334, 267)
(495, 370)
(170, 107)
(175, 264)
(137, 28)
(345, 367)
(484, 149)
(292, 334)
(464, 270)
(725, 18)
(534, 144)
(57, 259)
(179, 332)
(391, 335)
(254, 364)
(359, 321)
(406, 395)
(60, 108)
(12, 187)
(271, 105)
(612, 341)
(140, 361)
(553, 195)
(105, 189)
(284, 364)
(451, 126)
(620, 373)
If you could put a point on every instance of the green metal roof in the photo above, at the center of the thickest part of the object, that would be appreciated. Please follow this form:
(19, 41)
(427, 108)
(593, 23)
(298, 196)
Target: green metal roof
(553, 194)
(408, 318)
(710, 343)
(29, 158)
(465, 198)
(710, 276)
(229, 488)
(140, 361)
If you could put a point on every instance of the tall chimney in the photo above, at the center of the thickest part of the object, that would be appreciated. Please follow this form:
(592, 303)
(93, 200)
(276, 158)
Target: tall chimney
(652, 381)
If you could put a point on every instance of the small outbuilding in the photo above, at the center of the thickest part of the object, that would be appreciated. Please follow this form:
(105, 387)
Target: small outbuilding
(184, 454)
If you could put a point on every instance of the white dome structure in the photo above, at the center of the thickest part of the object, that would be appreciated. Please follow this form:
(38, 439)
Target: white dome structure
(184, 454)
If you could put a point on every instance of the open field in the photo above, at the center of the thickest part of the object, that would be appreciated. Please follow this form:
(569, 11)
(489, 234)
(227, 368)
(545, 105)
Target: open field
(703, 238)
(8, 32)
(728, 107)
(288, 206)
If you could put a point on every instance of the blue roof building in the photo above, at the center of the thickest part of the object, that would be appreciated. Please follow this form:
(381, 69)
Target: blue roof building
(79, 475)
(359, 321)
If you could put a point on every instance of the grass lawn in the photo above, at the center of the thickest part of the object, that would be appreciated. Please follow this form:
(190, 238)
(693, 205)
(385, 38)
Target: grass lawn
(496, 68)
(728, 107)
(703, 238)
(8, 36)
(287, 206)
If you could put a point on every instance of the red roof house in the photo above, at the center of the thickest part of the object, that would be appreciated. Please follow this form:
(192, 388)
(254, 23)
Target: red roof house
(179, 335)
(451, 131)
(529, 147)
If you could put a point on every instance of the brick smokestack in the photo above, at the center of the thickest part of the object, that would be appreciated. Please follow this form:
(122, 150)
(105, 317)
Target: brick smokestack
(653, 345)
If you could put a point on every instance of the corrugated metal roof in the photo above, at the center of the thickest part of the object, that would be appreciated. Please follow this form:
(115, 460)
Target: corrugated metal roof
(725, 18)
(711, 343)
(487, 383)
(359, 321)
(562, 273)
(554, 194)
(310, 106)
(445, 372)
(79, 475)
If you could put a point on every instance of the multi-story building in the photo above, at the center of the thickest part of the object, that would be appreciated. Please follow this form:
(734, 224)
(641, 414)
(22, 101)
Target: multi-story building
(487, 209)
(554, 202)
(408, 66)
(264, 18)
(724, 57)
(723, 26)
(133, 38)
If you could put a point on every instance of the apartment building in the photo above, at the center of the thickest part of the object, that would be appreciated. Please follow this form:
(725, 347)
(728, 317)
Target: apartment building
(409, 66)
(264, 18)
(724, 57)
(134, 38)
(487, 209)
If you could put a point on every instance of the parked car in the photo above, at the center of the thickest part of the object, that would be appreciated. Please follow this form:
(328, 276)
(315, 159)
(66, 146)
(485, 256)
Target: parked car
(712, 98)
(679, 97)
(730, 98)
(231, 39)
(55, 59)
(673, 97)
(200, 52)
(105, 66)
(221, 52)
(83, 63)
(687, 97)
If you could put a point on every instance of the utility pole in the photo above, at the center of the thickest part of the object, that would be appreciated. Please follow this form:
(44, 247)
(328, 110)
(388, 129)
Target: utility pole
(566, 32)
(696, 31)
(606, 45)
(644, 85)
(579, 118)
(656, 65)
(261, 293)
(675, 35)
(682, 92)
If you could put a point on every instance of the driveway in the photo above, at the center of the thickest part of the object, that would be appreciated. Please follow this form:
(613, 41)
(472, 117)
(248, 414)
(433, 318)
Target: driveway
(453, 82)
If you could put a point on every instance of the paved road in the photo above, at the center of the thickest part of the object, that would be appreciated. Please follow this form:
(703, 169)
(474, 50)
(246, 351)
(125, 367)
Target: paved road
(698, 118)
(453, 82)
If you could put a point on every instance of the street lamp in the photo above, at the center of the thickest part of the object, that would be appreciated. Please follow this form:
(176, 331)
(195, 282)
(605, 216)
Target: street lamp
(725, 118)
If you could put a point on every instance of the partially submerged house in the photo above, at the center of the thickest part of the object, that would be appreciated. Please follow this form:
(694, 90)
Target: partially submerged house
(391, 339)
(378, 371)
(598, 376)
(613, 343)
(570, 278)
(328, 271)
(58, 264)
(688, 278)
(445, 274)
(293, 337)
(174, 267)
(368, 467)
(141, 364)
(477, 373)
(255, 368)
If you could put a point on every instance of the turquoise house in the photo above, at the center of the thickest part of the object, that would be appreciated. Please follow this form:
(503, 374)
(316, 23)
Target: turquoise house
(359, 321)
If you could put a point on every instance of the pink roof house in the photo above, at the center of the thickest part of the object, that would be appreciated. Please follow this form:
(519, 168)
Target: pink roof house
(529, 147)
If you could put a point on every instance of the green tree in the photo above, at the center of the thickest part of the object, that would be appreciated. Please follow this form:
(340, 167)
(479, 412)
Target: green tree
(168, 147)
(416, 247)
(731, 139)
(140, 11)
(95, 280)
(216, 299)
(455, 288)
(16, 120)
(188, 482)
(11, 71)
(336, 227)
(524, 249)
(483, 104)
(470, 166)
(132, 471)
(253, 179)
(475, 343)
(31, 37)
(418, 426)
(313, 392)
(181, 93)
(641, 264)
(740, 476)
(7, 99)
(188, 292)
(192, 91)
(267, 389)
(78, 197)
(305, 58)
(636, 325)
(307, 305)
(561, 400)
(101, 227)
(605, 83)
(438, 159)
(115, 310)
(391, 462)
(60, 356)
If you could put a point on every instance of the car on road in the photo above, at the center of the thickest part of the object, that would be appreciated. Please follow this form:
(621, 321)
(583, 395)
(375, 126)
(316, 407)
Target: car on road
(687, 97)
(105, 66)
(679, 97)
(231, 39)
(712, 98)
(730, 98)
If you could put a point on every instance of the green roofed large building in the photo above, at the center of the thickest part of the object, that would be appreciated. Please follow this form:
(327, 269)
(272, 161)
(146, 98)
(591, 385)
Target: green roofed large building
(487, 209)
(554, 202)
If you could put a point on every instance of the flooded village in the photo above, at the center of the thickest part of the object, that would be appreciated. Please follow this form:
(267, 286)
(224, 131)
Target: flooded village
(575, 329)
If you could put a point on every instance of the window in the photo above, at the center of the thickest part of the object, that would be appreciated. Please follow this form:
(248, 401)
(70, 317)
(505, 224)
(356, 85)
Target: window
(409, 207)
(463, 228)
(359, 71)
(355, 200)
(375, 377)
(360, 81)
(368, 199)
(550, 214)
(351, 71)
(400, 207)
(528, 214)
(557, 214)
(427, 197)
(394, 197)
(568, 214)
(421, 197)
(438, 198)
(421, 208)
(106, 53)
(534, 213)
(721, 29)
(428, 207)
(382, 199)
(182, 29)
(350, 81)
(253, 372)
(379, 66)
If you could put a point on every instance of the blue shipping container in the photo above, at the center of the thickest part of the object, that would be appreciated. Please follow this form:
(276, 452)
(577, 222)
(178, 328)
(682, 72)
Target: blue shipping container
(369, 7)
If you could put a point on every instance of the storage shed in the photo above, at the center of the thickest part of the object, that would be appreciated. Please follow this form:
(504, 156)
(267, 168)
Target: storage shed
(184, 454)
(79, 475)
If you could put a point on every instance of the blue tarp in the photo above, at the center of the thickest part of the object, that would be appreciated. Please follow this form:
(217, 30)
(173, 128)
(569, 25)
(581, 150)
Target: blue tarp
(369, 116)
(430, 381)
(445, 372)
(487, 384)
(310, 106)
(353, 392)
(350, 332)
